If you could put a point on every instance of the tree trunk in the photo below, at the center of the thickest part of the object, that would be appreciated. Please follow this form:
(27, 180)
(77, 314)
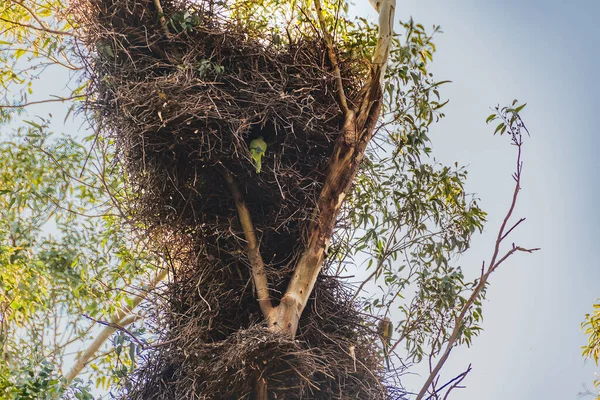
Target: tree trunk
(260, 390)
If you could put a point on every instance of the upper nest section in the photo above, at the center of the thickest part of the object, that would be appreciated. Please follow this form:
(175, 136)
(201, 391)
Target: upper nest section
(184, 106)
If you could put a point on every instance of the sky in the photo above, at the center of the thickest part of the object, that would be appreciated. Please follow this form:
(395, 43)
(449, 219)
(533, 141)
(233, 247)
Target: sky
(542, 53)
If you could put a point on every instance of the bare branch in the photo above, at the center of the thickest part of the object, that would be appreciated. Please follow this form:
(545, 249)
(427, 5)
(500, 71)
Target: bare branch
(122, 326)
(456, 381)
(122, 319)
(58, 99)
(332, 58)
(512, 228)
(259, 275)
(386, 9)
(161, 18)
(373, 88)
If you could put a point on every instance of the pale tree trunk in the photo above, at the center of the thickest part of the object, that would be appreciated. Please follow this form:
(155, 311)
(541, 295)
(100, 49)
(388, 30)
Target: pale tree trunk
(121, 320)
(348, 152)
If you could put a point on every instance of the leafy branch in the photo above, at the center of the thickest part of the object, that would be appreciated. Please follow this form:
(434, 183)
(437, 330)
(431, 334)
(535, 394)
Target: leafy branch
(511, 122)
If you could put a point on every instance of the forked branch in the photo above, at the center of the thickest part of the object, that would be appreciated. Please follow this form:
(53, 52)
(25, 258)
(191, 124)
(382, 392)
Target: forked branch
(343, 165)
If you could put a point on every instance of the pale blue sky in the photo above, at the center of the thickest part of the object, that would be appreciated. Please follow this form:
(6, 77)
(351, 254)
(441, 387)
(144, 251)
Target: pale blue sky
(543, 53)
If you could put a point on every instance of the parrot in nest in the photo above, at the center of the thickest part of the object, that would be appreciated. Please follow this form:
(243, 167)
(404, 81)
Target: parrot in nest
(385, 329)
(257, 150)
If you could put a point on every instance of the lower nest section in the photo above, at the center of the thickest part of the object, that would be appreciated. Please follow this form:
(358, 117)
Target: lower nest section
(209, 354)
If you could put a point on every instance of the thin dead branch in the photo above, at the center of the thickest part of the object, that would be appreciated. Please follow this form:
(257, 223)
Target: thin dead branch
(332, 58)
(31, 103)
(121, 319)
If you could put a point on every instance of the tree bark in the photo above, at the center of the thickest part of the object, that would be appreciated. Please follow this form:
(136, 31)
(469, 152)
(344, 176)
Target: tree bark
(349, 149)
(348, 152)
(259, 276)
(260, 390)
(343, 165)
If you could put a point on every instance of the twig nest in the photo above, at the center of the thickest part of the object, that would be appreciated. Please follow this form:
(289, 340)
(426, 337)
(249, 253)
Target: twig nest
(182, 109)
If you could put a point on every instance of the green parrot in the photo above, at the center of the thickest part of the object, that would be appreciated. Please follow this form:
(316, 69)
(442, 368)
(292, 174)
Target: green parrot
(385, 329)
(257, 150)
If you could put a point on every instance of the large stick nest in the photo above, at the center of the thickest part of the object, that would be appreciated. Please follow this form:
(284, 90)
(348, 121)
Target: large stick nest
(214, 350)
(182, 108)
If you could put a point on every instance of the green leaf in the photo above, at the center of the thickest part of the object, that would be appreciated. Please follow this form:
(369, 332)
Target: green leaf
(500, 127)
(518, 109)
(37, 126)
(19, 53)
(16, 305)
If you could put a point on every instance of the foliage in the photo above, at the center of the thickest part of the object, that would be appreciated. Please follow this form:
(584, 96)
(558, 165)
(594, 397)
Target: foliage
(62, 249)
(35, 35)
(591, 327)
(411, 217)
